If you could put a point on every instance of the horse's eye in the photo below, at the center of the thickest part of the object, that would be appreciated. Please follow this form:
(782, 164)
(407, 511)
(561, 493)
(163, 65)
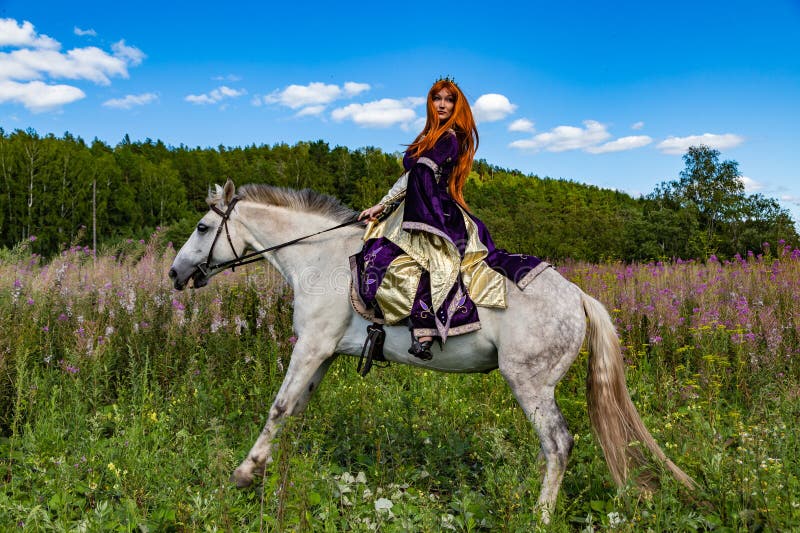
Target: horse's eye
(202, 228)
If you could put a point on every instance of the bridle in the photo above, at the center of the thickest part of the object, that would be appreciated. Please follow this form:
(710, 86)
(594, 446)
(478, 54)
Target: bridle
(206, 268)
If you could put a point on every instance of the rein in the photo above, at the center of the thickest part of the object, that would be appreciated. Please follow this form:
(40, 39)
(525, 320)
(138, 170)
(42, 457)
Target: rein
(206, 268)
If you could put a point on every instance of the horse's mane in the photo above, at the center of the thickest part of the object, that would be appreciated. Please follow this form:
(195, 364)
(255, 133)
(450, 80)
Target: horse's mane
(306, 200)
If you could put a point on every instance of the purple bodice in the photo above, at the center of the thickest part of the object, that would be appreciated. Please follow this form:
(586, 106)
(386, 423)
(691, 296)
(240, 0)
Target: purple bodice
(428, 204)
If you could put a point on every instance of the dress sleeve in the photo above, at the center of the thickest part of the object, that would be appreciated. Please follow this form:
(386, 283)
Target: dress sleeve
(423, 207)
(397, 192)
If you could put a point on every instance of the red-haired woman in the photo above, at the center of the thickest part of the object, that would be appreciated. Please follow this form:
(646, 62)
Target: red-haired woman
(431, 261)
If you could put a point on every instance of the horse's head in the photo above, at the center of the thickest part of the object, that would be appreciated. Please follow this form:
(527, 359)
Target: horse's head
(215, 240)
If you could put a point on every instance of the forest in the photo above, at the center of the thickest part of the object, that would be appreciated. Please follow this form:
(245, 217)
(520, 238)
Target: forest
(59, 192)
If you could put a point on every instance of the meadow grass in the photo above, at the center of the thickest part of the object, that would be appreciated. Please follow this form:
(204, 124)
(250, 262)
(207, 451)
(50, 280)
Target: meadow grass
(125, 406)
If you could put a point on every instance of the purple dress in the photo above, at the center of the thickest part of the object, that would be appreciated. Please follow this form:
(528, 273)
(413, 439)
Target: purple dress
(430, 261)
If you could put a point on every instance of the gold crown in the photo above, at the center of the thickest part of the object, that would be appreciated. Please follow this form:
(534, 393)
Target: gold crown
(446, 78)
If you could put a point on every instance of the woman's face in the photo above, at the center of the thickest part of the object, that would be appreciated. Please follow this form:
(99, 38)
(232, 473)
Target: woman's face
(443, 103)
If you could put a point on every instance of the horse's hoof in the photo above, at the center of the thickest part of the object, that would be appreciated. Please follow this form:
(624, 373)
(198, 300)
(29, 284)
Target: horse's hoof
(241, 479)
(544, 515)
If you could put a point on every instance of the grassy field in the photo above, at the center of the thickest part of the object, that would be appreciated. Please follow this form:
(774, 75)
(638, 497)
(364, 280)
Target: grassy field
(125, 406)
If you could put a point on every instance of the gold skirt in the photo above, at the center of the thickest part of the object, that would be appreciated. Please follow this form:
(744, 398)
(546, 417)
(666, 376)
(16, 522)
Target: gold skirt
(425, 251)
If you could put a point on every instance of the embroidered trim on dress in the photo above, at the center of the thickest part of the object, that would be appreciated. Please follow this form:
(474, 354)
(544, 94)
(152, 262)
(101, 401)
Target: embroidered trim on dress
(428, 162)
(355, 298)
(458, 330)
(431, 164)
(397, 191)
(444, 328)
(427, 228)
(396, 198)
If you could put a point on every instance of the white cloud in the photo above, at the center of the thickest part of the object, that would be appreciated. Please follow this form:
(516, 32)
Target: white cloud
(24, 35)
(591, 138)
(130, 54)
(37, 59)
(199, 99)
(85, 33)
(296, 96)
(33, 62)
(314, 94)
(679, 145)
(380, 113)
(231, 78)
(228, 92)
(352, 88)
(311, 110)
(621, 144)
(38, 96)
(637, 125)
(563, 138)
(492, 107)
(522, 124)
(131, 100)
(217, 95)
(751, 185)
(791, 199)
(88, 63)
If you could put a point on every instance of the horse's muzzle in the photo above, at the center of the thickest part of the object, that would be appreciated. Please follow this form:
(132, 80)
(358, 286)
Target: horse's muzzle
(198, 278)
(176, 282)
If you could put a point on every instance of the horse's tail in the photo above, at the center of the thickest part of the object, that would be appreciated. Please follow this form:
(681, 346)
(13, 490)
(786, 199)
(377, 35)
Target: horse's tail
(614, 418)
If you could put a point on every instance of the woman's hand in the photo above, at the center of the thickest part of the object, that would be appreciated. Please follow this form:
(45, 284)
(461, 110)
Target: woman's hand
(372, 213)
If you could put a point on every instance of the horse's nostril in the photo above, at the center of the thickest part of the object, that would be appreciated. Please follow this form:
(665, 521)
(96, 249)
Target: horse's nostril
(172, 274)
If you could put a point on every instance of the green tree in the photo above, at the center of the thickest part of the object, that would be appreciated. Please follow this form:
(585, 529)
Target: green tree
(708, 203)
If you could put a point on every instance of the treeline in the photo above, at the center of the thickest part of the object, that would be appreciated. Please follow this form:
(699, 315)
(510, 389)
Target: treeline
(62, 191)
(704, 212)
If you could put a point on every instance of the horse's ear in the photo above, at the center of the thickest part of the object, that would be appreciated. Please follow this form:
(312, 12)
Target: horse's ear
(228, 191)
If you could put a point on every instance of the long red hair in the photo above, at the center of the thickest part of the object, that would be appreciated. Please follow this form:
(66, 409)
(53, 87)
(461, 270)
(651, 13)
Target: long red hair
(462, 122)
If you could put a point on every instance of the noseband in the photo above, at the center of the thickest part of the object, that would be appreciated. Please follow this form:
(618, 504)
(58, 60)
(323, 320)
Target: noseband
(205, 268)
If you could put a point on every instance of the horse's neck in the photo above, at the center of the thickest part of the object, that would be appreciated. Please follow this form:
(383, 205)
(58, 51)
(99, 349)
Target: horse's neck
(272, 226)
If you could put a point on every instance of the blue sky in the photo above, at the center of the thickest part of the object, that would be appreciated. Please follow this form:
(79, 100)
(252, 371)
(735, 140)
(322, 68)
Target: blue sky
(609, 94)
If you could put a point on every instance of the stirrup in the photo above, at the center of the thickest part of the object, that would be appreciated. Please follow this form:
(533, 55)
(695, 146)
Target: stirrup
(373, 349)
(421, 349)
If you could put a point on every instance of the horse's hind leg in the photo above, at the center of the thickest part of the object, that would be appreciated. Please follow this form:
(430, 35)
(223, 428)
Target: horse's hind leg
(538, 402)
(302, 378)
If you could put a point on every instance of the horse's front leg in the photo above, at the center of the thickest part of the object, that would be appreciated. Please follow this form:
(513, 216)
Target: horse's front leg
(307, 367)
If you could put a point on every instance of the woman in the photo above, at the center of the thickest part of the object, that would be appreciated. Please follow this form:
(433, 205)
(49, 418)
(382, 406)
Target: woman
(429, 260)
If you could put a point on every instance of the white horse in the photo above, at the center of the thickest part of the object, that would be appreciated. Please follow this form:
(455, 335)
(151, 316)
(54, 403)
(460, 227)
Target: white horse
(533, 341)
